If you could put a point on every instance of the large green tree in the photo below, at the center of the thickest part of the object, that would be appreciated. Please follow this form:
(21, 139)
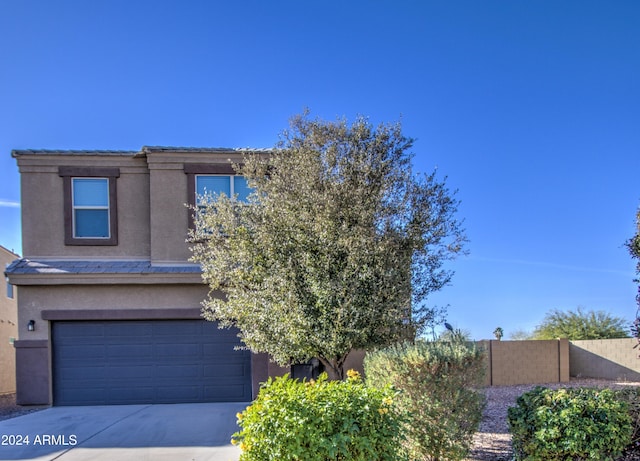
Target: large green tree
(578, 324)
(337, 249)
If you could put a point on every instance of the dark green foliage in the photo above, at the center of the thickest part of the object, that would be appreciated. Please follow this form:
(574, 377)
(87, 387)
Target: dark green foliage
(337, 248)
(438, 394)
(578, 324)
(631, 397)
(569, 424)
(320, 421)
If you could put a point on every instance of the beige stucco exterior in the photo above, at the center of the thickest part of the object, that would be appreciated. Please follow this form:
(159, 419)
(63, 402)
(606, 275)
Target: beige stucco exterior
(152, 199)
(34, 300)
(152, 227)
(43, 203)
(169, 197)
(8, 329)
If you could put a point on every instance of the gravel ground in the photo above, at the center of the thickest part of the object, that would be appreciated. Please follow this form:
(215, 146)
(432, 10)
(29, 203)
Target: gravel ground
(9, 408)
(492, 442)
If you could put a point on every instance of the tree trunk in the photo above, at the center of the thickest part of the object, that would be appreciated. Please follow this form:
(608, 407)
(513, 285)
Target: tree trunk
(334, 367)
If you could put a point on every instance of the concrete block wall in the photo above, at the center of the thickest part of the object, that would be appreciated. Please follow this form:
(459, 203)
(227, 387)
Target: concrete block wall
(614, 359)
(526, 362)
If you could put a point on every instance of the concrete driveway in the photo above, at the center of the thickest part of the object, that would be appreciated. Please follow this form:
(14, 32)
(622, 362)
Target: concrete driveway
(195, 431)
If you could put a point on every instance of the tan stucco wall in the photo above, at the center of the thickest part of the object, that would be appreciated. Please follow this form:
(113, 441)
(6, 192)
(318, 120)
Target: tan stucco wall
(43, 208)
(606, 359)
(169, 197)
(151, 193)
(526, 362)
(8, 329)
(35, 299)
(170, 217)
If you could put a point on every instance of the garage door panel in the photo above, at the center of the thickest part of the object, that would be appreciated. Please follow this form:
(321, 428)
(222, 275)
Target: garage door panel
(129, 396)
(221, 349)
(222, 336)
(191, 371)
(179, 350)
(84, 353)
(226, 370)
(135, 330)
(84, 373)
(115, 372)
(168, 329)
(85, 396)
(130, 352)
(179, 394)
(67, 330)
(177, 361)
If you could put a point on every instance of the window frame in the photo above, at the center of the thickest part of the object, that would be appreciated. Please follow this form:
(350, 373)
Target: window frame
(10, 294)
(192, 170)
(110, 174)
(232, 184)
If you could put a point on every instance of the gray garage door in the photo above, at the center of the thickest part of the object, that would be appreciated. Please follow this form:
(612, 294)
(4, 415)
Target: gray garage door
(158, 361)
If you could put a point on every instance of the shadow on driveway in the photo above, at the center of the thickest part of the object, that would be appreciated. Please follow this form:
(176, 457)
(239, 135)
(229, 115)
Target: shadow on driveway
(193, 431)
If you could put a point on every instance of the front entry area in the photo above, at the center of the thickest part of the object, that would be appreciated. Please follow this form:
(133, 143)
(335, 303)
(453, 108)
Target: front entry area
(147, 361)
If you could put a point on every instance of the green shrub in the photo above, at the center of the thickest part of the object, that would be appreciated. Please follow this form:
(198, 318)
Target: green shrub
(575, 423)
(631, 396)
(438, 384)
(319, 421)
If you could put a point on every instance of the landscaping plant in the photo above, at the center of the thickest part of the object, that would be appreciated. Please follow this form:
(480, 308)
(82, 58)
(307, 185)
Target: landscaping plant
(579, 324)
(336, 248)
(569, 424)
(438, 384)
(319, 421)
(631, 396)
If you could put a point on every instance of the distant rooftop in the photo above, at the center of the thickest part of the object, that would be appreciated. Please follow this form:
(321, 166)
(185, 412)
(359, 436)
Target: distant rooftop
(7, 250)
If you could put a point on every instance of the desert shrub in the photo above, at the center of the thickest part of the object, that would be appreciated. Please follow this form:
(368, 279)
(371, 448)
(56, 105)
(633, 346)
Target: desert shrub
(575, 423)
(631, 397)
(438, 384)
(319, 421)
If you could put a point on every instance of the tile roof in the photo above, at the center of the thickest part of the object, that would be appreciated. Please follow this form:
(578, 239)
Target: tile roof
(143, 151)
(18, 152)
(149, 149)
(26, 266)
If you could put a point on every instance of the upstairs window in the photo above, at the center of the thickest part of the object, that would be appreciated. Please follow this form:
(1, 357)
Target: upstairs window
(90, 205)
(212, 178)
(217, 184)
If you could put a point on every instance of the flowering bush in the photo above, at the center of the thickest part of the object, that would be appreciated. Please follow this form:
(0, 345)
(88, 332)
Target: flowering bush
(319, 421)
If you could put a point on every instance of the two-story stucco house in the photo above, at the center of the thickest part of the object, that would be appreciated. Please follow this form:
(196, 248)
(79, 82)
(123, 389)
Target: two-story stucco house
(109, 306)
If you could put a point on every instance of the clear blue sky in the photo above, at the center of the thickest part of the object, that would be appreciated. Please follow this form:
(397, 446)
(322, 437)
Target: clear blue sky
(531, 109)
